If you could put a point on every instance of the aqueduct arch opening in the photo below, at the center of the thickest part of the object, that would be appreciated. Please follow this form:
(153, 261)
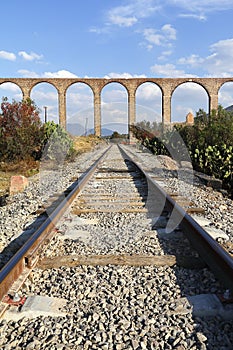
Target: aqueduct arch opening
(226, 95)
(80, 109)
(114, 108)
(45, 96)
(149, 103)
(167, 86)
(184, 95)
(11, 90)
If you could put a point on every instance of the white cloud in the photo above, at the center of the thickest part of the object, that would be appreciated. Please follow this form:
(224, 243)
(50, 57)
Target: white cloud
(169, 31)
(28, 74)
(122, 21)
(164, 55)
(199, 8)
(123, 75)
(188, 97)
(79, 98)
(39, 94)
(10, 56)
(148, 92)
(10, 87)
(200, 17)
(114, 95)
(192, 60)
(169, 70)
(133, 11)
(203, 5)
(159, 37)
(225, 95)
(218, 63)
(130, 14)
(153, 37)
(59, 74)
(30, 57)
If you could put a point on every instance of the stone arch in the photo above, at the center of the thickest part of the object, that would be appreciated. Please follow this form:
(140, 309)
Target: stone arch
(11, 90)
(114, 107)
(149, 102)
(36, 82)
(183, 101)
(79, 119)
(225, 94)
(179, 82)
(45, 96)
(167, 85)
(122, 82)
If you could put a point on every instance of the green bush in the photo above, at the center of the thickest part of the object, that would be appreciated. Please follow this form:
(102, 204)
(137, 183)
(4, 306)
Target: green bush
(57, 144)
(23, 136)
(20, 130)
(209, 143)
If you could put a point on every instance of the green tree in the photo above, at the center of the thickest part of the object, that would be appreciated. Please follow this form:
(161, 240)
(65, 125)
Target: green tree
(20, 130)
(209, 142)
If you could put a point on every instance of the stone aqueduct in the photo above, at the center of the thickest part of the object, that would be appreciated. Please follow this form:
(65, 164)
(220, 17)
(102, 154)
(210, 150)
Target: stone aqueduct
(166, 85)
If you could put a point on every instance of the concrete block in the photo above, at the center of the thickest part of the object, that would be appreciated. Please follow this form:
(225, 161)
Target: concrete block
(18, 184)
(75, 234)
(202, 305)
(37, 306)
(209, 305)
(216, 233)
(201, 220)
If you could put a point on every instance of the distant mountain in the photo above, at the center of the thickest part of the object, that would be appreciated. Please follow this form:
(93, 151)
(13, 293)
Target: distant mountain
(104, 132)
(229, 109)
(78, 130)
(75, 129)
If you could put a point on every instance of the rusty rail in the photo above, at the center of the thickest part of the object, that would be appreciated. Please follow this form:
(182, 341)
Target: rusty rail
(215, 256)
(20, 265)
(25, 257)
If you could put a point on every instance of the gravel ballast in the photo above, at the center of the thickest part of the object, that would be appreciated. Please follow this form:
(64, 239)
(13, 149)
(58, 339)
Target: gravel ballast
(116, 307)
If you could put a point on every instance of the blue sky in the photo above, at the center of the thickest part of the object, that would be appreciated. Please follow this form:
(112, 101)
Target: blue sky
(124, 38)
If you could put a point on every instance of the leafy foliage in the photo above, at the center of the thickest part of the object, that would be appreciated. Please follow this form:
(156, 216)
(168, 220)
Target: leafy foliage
(166, 142)
(20, 130)
(57, 144)
(209, 142)
(22, 134)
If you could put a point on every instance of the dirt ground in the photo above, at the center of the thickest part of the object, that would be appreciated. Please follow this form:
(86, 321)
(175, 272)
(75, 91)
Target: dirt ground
(31, 167)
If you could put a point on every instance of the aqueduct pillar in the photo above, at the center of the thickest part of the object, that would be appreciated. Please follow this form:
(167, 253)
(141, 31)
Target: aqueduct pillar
(167, 85)
(97, 112)
(62, 107)
(213, 102)
(166, 108)
(131, 110)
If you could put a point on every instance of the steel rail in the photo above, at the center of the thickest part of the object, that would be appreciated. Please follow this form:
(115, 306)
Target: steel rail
(25, 256)
(215, 256)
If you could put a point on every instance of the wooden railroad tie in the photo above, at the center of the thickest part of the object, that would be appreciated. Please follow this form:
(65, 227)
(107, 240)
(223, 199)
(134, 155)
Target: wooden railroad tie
(123, 260)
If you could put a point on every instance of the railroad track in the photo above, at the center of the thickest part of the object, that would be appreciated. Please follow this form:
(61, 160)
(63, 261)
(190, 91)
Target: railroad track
(110, 219)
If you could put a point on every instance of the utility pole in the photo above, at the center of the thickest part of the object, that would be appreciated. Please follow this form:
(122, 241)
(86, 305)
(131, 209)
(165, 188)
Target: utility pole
(45, 114)
(85, 130)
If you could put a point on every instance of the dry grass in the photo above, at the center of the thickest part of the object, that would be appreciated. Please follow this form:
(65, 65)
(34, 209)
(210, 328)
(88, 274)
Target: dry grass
(30, 167)
(27, 168)
(86, 143)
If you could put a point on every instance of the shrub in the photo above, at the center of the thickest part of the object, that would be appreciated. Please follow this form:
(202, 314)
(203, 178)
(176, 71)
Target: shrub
(209, 143)
(57, 144)
(20, 130)
(23, 136)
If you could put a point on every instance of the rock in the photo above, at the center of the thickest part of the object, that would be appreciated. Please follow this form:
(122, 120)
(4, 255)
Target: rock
(18, 184)
(201, 337)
